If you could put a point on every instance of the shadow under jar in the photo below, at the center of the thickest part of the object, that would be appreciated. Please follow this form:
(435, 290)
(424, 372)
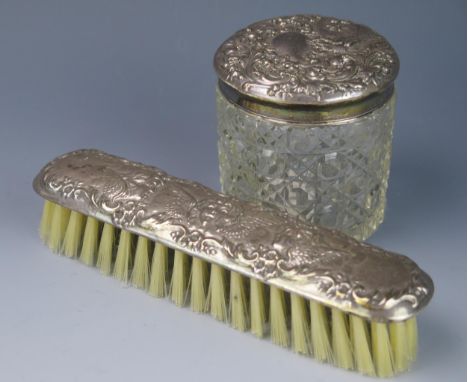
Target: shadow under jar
(305, 116)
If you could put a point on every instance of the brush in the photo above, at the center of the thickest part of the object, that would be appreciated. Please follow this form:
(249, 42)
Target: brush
(308, 288)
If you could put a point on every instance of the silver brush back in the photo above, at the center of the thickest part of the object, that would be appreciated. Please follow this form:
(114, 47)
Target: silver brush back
(254, 239)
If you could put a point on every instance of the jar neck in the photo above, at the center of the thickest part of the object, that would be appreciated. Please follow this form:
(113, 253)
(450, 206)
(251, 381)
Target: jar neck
(307, 114)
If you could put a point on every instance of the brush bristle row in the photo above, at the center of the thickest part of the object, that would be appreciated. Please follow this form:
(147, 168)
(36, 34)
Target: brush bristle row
(90, 241)
(159, 271)
(198, 285)
(71, 241)
(238, 303)
(300, 331)
(58, 227)
(361, 346)
(106, 249)
(217, 300)
(140, 272)
(179, 280)
(258, 316)
(308, 327)
(123, 260)
(278, 317)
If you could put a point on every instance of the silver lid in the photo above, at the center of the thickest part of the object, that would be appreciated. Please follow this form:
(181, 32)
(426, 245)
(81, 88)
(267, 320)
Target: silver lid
(307, 60)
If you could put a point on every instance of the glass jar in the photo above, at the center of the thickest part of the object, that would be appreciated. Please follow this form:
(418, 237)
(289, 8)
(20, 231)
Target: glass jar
(305, 116)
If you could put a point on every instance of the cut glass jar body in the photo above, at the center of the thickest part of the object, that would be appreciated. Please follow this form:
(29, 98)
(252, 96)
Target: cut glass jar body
(334, 174)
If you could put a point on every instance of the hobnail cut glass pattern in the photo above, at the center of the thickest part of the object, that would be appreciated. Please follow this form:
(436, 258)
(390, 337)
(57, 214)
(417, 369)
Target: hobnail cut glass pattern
(332, 175)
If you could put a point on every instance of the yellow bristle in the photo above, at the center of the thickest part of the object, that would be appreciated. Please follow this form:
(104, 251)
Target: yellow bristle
(238, 302)
(330, 335)
(341, 343)
(199, 285)
(158, 277)
(140, 273)
(257, 308)
(278, 324)
(90, 241)
(412, 334)
(58, 226)
(381, 349)
(361, 346)
(46, 220)
(179, 279)
(123, 261)
(399, 341)
(300, 332)
(106, 249)
(217, 293)
(73, 234)
(320, 333)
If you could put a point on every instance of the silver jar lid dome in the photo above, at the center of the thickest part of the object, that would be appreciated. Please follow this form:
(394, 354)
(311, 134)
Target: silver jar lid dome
(307, 60)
